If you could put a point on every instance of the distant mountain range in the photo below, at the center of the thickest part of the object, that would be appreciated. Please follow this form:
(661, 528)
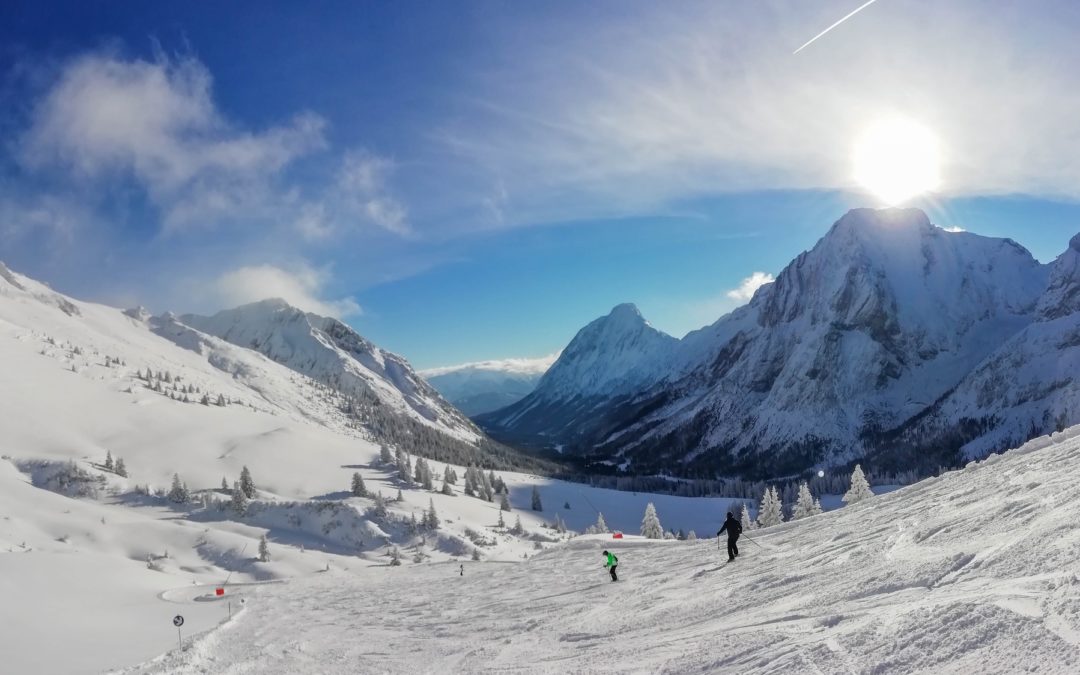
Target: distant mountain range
(892, 341)
(484, 386)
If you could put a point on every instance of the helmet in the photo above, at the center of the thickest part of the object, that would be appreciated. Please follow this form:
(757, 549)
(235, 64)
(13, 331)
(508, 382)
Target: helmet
(730, 515)
(605, 552)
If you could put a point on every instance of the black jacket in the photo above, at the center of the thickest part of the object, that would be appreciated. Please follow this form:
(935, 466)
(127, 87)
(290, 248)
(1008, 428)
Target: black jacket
(733, 527)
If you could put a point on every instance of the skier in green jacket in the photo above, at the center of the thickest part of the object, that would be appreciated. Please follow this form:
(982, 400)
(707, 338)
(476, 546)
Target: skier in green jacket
(611, 564)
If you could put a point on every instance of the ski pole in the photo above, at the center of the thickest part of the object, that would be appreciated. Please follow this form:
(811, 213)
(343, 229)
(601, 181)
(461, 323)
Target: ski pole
(749, 540)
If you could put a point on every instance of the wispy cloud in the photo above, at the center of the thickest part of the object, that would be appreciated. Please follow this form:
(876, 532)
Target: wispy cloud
(302, 286)
(749, 286)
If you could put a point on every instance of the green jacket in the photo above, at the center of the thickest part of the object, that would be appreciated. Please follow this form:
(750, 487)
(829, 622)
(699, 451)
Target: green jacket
(612, 561)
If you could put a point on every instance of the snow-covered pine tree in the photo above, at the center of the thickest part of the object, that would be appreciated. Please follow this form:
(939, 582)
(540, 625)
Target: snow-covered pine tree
(431, 519)
(601, 525)
(427, 480)
(448, 475)
(385, 457)
(691, 536)
(860, 488)
(264, 549)
(178, 493)
(502, 523)
(205, 400)
(413, 525)
(504, 502)
(650, 524)
(109, 466)
(470, 483)
(486, 488)
(395, 557)
(121, 468)
(560, 524)
(476, 554)
(221, 400)
(446, 489)
(379, 508)
(804, 505)
(239, 503)
(400, 497)
(247, 483)
(224, 484)
(536, 505)
(358, 487)
(771, 512)
(745, 520)
(418, 471)
(817, 506)
(517, 528)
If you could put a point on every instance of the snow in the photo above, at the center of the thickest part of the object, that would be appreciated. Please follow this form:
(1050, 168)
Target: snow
(975, 571)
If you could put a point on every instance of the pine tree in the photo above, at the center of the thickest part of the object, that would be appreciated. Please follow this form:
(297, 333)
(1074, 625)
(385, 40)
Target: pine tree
(379, 508)
(446, 489)
(804, 505)
(476, 554)
(121, 468)
(860, 489)
(691, 536)
(771, 512)
(601, 525)
(536, 505)
(400, 497)
(247, 484)
(108, 461)
(418, 475)
(239, 501)
(504, 503)
(566, 505)
(385, 457)
(205, 400)
(448, 476)
(413, 526)
(395, 557)
(221, 400)
(486, 488)
(264, 550)
(179, 494)
(427, 480)
(560, 525)
(358, 488)
(650, 524)
(745, 520)
(502, 523)
(517, 528)
(431, 519)
(224, 484)
(470, 483)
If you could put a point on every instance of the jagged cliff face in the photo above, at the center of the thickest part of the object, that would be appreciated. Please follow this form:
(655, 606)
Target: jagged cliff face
(856, 338)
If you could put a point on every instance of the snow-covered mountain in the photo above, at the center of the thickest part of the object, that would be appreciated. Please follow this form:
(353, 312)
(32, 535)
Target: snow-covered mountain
(614, 355)
(857, 338)
(483, 386)
(330, 352)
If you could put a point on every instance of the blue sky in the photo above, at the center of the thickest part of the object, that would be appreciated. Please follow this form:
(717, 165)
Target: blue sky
(477, 180)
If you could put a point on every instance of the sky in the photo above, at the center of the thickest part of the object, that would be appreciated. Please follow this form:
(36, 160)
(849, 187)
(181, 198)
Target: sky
(478, 180)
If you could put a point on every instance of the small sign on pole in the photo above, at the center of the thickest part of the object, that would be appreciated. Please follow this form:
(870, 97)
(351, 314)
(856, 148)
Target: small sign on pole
(219, 591)
(179, 621)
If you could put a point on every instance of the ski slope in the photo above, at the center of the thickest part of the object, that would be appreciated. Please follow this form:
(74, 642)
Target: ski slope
(977, 571)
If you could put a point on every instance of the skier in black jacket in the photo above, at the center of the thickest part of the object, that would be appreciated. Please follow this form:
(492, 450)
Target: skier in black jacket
(734, 529)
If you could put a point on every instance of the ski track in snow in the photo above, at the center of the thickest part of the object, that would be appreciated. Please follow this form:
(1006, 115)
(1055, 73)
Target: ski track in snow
(975, 571)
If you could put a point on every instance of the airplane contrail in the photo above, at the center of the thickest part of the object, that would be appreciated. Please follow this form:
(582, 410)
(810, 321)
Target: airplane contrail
(819, 35)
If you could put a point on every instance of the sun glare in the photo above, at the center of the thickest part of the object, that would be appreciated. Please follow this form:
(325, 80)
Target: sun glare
(896, 160)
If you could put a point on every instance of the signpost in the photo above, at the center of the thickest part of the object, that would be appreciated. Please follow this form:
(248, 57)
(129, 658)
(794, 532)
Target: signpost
(179, 621)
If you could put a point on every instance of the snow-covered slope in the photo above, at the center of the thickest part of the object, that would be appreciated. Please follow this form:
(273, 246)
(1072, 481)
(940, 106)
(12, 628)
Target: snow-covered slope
(855, 338)
(614, 355)
(332, 353)
(476, 388)
(100, 563)
(977, 571)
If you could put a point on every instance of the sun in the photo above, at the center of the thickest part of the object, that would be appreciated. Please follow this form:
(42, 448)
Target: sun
(897, 159)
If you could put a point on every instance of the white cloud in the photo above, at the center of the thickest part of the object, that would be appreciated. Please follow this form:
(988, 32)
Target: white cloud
(107, 118)
(657, 106)
(524, 366)
(301, 287)
(749, 286)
